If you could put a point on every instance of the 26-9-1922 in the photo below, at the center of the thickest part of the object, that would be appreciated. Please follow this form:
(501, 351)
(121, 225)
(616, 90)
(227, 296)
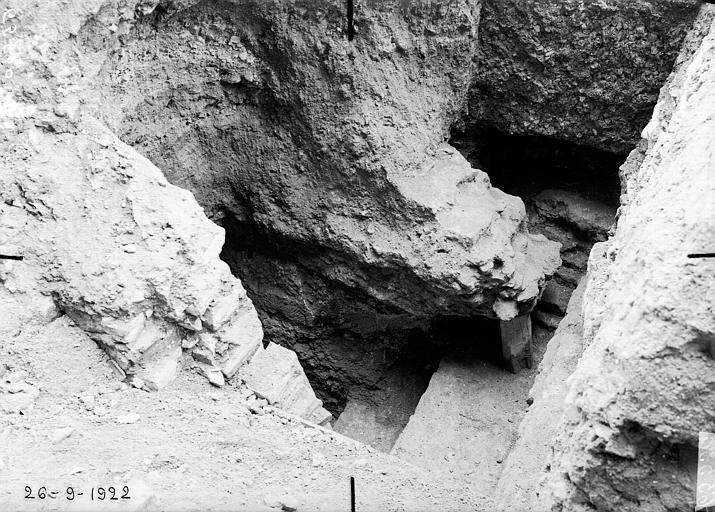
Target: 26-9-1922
(70, 493)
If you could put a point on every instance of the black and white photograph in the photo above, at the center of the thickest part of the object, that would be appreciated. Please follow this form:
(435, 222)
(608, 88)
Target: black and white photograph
(357, 255)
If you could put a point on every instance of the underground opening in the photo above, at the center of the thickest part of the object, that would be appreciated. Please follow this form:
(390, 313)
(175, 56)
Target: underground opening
(349, 343)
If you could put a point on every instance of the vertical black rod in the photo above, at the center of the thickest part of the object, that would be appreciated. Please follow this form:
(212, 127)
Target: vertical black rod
(352, 494)
(351, 23)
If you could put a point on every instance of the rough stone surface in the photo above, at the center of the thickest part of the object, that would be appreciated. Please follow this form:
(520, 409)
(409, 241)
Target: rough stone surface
(73, 202)
(644, 386)
(315, 149)
(189, 450)
(587, 216)
(330, 143)
(328, 160)
(583, 71)
(106, 240)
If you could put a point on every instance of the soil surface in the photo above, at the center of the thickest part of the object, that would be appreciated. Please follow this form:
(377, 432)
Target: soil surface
(188, 447)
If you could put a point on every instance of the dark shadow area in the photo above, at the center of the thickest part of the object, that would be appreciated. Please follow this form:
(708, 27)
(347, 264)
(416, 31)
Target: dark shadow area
(524, 165)
(378, 413)
(350, 344)
(472, 337)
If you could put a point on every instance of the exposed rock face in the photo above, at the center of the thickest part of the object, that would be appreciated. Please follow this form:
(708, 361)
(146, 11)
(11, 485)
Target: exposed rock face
(571, 193)
(330, 154)
(588, 72)
(330, 143)
(644, 386)
(131, 259)
(357, 228)
(576, 222)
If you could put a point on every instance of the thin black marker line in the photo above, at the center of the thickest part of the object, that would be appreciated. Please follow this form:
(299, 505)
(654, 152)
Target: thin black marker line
(352, 494)
(351, 21)
(8, 257)
(702, 254)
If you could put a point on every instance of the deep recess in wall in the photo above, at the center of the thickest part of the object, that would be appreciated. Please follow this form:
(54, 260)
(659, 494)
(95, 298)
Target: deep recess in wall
(350, 345)
(571, 193)
(524, 165)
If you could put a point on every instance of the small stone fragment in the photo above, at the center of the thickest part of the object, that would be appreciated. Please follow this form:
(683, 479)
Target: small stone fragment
(213, 374)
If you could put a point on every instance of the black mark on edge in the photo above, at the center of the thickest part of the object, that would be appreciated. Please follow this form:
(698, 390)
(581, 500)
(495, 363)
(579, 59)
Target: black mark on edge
(351, 21)
(8, 257)
(702, 254)
(352, 494)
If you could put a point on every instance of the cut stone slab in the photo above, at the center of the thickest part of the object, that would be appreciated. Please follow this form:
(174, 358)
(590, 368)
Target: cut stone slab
(549, 321)
(555, 298)
(275, 374)
(466, 421)
(516, 343)
(246, 329)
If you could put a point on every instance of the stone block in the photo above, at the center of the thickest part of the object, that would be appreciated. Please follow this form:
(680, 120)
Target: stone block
(516, 342)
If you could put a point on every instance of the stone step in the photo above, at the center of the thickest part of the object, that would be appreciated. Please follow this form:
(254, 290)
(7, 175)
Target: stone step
(466, 421)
